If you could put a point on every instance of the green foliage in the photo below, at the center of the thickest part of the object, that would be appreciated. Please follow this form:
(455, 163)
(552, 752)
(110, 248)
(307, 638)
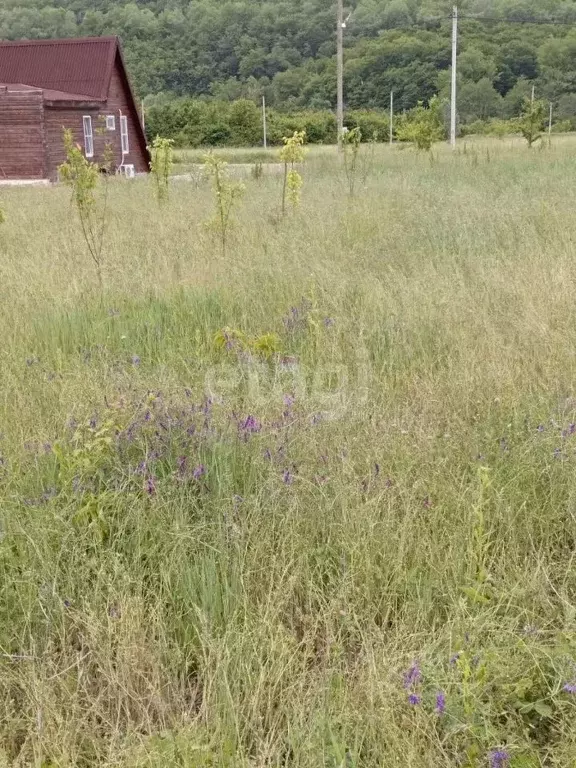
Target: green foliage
(562, 126)
(374, 124)
(422, 126)
(233, 340)
(83, 177)
(162, 158)
(285, 51)
(227, 193)
(531, 122)
(291, 154)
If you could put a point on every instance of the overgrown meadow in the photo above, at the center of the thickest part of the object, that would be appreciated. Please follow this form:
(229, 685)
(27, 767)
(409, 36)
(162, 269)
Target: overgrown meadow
(307, 500)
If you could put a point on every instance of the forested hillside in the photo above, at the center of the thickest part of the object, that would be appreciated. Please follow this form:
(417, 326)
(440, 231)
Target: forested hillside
(285, 48)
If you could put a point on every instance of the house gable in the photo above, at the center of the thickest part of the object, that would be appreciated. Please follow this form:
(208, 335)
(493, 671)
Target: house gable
(79, 78)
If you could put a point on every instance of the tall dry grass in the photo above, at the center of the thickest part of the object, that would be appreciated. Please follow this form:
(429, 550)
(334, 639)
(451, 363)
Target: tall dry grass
(215, 556)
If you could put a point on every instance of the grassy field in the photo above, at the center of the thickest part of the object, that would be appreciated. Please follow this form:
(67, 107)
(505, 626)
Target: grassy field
(307, 504)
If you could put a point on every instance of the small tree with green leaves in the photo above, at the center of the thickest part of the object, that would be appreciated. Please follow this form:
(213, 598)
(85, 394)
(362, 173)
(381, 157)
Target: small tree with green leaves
(422, 125)
(226, 194)
(292, 152)
(351, 141)
(162, 160)
(531, 121)
(83, 177)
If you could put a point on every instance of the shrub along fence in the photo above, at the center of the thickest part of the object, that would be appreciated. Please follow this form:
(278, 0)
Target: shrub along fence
(196, 123)
(201, 123)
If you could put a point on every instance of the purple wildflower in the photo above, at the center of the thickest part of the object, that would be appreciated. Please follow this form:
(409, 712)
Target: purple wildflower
(571, 429)
(250, 425)
(67, 603)
(389, 483)
(427, 503)
(414, 699)
(454, 658)
(267, 454)
(557, 453)
(328, 322)
(150, 486)
(288, 400)
(570, 688)
(440, 703)
(182, 464)
(199, 471)
(540, 428)
(135, 360)
(287, 477)
(413, 676)
(504, 444)
(499, 758)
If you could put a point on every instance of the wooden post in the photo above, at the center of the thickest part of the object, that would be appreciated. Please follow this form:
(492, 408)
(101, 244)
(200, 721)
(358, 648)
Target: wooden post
(264, 127)
(453, 88)
(340, 71)
(391, 117)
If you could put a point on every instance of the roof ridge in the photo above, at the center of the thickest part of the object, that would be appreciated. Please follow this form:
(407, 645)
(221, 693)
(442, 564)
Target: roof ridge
(60, 40)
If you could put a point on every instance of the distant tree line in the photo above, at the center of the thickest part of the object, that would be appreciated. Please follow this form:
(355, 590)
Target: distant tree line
(285, 49)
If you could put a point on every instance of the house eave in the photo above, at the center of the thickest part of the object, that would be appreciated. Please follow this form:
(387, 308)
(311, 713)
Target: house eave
(73, 104)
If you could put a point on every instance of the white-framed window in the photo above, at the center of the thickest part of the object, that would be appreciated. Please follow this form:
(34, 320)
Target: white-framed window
(124, 134)
(88, 136)
(110, 122)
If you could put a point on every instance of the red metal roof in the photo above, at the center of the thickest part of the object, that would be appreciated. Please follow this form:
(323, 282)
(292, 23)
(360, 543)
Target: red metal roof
(80, 66)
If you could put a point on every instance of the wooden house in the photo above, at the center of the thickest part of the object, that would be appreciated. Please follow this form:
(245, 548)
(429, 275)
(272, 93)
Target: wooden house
(47, 86)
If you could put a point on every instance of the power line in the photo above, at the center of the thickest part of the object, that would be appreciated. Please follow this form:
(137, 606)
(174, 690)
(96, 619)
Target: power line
(425, 24)
(496, 20)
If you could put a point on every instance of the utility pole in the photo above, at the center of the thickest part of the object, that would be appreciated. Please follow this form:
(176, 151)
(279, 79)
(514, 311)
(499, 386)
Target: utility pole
(264, 127)
(340, 71)
(550, 126)
(454, 64)
(533, 94)
(391, 117)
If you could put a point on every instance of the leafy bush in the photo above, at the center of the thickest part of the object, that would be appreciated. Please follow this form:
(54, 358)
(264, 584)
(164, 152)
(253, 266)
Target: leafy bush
(422, 125)
(197, 123)
(372, 124)
(563, 126)
(531, 122)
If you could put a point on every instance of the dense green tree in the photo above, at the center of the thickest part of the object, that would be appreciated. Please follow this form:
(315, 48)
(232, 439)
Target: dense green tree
(285, 49)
